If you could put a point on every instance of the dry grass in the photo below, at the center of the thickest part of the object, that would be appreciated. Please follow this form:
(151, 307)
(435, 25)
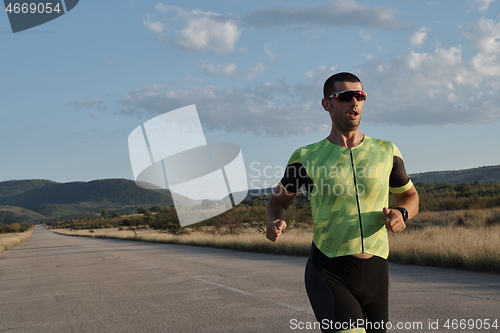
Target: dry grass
(463, 239)
(10, 240)
(474, 249)
(295, 242)
(470, 218)
(453, 239)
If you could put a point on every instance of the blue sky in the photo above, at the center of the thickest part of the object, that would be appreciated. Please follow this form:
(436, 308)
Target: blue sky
(73, 89)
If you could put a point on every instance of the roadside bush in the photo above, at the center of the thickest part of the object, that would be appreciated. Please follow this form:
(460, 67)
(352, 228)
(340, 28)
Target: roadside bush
(14, 227)
(166, 220)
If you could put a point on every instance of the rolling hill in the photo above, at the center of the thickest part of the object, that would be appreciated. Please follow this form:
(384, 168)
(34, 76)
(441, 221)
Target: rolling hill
(10, 214)
(484, 174)
(52, 199)
(15, 187)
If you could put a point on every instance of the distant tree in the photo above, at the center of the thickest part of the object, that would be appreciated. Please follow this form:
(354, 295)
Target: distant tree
(232, 222)
(155, 209)
(167, 221)
(207, 204)
(15, 227)
(126, 223)
(105, 213)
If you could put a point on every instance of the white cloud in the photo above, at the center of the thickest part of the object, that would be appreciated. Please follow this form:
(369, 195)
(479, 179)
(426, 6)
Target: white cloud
(225, 69)
(232, 70)
(94, 103)
(366, 36)
(256, 70)
(428, 88)
(322, 70)
(208, 33)
(487, 64)
(485, 36)
(435, 88)
(156, 27)
(193, 79)
(195, 30)
(339, 13)
(272, 56)
(483, 5)
(199, 31)
(419, 36)
(438, 87)
(272, 108)
(162, 8)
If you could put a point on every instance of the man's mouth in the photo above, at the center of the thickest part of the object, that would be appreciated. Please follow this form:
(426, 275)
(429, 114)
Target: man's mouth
(353, 114)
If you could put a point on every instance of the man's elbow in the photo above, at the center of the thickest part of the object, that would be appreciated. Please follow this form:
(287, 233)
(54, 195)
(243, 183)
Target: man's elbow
(274, 203)
(281, 198)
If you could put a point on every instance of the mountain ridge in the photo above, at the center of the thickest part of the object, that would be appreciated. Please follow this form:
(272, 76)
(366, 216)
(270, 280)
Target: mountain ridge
(41, 198)
(484, 174)
(52, 199)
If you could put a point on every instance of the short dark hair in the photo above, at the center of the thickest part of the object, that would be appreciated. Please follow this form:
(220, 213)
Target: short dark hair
(329, 86)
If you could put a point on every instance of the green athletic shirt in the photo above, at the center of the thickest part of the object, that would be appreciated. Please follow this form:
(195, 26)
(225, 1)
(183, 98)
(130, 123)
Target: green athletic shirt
(348, 189)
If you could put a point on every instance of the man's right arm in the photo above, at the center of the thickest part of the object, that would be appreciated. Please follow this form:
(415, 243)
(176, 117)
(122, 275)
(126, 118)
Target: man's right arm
(276, 212)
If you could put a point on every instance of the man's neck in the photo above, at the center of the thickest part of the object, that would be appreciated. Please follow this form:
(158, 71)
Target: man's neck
(346, 139)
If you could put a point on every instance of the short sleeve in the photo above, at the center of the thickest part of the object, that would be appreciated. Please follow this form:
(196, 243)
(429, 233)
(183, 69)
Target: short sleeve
(295, 175)
(399, 181)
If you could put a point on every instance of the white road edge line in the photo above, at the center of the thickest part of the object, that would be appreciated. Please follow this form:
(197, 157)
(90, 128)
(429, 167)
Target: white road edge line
(226, 287)
(144, 263)
(245, 293)
(252, 295)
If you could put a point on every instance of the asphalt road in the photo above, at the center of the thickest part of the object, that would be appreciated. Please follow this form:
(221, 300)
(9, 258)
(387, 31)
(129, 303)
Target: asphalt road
(55, 283)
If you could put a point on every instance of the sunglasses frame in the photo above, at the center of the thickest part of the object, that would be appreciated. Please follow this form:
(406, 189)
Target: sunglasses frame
(354, 93)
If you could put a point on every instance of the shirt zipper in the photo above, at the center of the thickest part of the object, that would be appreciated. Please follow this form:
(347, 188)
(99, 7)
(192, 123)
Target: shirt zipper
(357, 201)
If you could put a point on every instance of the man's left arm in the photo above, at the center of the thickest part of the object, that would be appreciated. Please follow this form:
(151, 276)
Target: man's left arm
(408, 200)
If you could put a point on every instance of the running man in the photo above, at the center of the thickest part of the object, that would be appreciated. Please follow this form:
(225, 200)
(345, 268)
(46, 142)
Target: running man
(348, 177)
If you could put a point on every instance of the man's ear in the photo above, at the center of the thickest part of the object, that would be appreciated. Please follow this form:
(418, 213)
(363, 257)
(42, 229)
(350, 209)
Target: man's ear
(326, 104)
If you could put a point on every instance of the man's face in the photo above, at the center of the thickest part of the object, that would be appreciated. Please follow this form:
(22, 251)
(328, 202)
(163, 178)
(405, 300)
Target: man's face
(346, 116)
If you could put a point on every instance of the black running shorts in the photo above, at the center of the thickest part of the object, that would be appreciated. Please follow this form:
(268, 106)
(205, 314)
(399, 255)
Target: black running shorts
(347, 291)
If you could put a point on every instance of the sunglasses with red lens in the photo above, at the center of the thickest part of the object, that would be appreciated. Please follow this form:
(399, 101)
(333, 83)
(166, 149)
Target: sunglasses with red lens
(347, 95)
